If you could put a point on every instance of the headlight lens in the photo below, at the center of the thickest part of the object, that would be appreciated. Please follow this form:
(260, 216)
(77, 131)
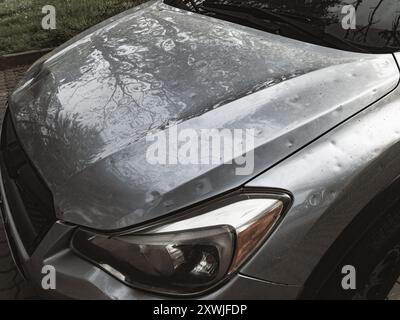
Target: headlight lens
(188, 255)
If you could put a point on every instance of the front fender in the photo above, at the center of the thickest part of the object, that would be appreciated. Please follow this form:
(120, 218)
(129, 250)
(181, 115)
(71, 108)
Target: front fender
(332, 180)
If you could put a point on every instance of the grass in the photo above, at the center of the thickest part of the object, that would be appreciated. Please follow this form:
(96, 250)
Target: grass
(20, 21)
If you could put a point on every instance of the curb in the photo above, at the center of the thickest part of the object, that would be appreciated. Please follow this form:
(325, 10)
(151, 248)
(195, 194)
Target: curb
(13, 60)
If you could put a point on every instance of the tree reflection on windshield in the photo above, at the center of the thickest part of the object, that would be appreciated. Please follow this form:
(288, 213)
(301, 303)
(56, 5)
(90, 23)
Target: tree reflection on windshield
(377, 21)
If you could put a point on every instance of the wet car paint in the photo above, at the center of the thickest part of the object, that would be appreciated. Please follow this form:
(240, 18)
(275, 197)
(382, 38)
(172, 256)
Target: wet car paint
(331, 181)
(77, 278)
(84, 118)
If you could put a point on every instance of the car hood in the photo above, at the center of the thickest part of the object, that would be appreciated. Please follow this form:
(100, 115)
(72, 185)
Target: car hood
(84, 113)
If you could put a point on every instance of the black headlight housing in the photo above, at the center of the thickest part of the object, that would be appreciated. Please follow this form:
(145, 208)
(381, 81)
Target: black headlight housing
(191, 253)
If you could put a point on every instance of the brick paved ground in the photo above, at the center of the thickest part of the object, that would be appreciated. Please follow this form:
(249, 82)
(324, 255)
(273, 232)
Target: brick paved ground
(12, 285)
(8, 80)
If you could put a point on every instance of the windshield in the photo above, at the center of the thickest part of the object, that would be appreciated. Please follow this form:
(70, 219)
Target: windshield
(355, 25)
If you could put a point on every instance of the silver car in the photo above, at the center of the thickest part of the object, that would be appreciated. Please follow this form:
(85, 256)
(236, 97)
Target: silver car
(212, 150)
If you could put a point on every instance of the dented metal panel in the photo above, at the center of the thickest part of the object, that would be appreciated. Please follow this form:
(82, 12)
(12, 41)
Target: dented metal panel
(84, 116)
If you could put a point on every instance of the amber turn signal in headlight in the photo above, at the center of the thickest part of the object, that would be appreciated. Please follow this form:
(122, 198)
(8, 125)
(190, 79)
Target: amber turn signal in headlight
(189, 255)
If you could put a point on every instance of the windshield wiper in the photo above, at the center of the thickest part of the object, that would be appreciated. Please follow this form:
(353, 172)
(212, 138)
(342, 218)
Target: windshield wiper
(262, 19)
(185, 4)
(194, 5)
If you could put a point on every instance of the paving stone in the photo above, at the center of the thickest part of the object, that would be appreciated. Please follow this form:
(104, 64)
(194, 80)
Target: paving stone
(8, 80)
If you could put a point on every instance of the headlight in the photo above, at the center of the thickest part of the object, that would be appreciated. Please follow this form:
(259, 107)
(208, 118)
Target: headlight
(190, 254)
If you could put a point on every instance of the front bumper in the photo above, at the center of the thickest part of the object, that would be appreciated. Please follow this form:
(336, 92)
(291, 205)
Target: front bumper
(77, 278)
